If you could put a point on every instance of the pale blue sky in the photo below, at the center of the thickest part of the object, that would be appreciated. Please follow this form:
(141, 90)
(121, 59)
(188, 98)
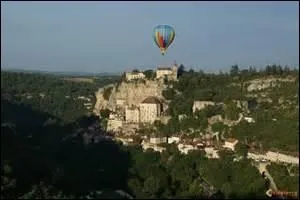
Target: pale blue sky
(117, 36)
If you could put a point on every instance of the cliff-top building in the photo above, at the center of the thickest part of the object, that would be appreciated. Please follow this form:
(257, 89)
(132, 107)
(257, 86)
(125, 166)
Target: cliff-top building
(170, 73)
(134, 75)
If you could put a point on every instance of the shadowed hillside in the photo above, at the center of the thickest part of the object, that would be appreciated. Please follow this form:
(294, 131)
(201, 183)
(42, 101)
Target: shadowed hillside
(57, 155)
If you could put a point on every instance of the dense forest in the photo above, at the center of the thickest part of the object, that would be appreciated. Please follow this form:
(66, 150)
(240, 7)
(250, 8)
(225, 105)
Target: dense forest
(50, 147)
(39, 162)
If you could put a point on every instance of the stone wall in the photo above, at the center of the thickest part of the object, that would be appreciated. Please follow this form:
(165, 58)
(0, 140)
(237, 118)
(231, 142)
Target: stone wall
(132, 115)
(132, 93)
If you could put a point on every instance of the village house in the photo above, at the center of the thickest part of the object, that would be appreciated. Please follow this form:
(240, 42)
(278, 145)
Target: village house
(199, 105)
(249, 119)
(173, 139)
(211, 153)
(200, 145)
(169, 73)
(158, 140)
(126, 140)
(185, 148)
(215, 119)
(155, 147)
(230, 143)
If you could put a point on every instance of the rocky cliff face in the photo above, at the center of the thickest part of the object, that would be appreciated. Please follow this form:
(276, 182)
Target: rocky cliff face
(132, 92)
(260, 84)
(101, 103)
(135, 93)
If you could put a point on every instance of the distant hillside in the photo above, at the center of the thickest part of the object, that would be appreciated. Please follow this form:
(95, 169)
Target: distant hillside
(53, 94)
(62, 73)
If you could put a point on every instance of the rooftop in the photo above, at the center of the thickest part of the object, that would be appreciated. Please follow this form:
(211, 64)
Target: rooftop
(151, 100)
(132, 107)
(231, 140)
(164, 68)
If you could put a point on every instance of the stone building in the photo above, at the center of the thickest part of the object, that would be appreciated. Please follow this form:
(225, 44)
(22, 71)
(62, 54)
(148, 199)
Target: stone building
(150, 110)
(199, 105)
(170, 73)
(211, 153)
(173, 139)
(120, 102)
(134, 75)
(147, 145)
(185, 148)
(132, 114)
(230, 143)
(158, 140)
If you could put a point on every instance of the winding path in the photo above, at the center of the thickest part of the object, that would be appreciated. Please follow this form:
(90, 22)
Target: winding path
(262, 167)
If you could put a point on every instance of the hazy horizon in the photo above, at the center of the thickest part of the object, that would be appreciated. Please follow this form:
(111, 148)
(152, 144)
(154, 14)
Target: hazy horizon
(109, 37)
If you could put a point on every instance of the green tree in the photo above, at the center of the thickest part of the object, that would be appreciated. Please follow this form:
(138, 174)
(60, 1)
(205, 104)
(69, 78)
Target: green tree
(227, 189)
(152, 187)
(104, 113)
(169, 93)
(231, 111)
(42, 191)
(234, 70)
(136, 187)
(241, 149)
(150, 74)
(181, 70)
(218, 127)
(7, 182)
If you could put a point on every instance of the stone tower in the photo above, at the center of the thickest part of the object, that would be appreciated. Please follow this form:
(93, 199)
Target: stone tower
(174, 70)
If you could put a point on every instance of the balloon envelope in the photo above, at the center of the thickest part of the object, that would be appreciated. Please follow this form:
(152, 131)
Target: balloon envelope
(163, 37)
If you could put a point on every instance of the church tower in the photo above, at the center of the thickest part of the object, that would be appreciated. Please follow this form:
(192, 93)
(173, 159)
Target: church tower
(174, 70)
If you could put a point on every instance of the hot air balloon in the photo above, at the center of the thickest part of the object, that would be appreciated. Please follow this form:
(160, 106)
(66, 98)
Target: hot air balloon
(163, 37)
